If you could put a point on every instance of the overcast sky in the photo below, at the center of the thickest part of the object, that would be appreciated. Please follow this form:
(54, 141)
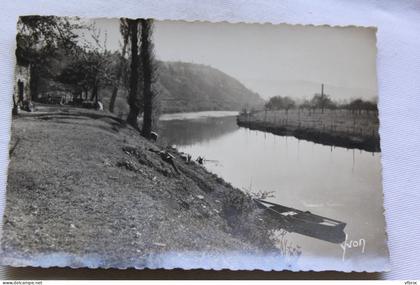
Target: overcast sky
(271, 59)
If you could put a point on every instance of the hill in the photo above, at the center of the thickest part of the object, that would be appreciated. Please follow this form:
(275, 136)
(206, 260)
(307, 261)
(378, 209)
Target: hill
(189, 87)
(196, 87)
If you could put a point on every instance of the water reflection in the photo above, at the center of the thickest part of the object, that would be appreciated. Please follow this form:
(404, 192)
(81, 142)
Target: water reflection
(189, 132)
(337, 183)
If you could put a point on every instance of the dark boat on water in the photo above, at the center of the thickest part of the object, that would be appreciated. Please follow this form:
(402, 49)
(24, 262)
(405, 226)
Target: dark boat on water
(305, 223)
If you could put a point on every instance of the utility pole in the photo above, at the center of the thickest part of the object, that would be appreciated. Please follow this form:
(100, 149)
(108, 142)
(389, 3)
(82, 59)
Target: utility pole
(322, 98)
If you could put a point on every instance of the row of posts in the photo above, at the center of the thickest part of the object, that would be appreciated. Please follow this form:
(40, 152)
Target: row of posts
(354, 129)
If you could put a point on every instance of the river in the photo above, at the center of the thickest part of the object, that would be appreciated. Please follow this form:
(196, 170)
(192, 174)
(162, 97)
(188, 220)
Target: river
(342, 184)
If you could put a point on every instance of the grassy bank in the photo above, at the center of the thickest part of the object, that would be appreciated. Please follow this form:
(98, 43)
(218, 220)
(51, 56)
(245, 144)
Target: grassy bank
(342, 128)
(81, 182)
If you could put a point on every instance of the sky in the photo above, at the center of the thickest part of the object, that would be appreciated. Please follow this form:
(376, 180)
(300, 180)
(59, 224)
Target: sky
(287, 60)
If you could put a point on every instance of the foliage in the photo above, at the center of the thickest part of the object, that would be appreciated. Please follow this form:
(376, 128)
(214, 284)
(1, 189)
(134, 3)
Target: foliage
(41, 36)
(88, 71)
(41, 43)
(360, 104)
(322, 101)
(90, 68)
(187, 87)
(280, 103)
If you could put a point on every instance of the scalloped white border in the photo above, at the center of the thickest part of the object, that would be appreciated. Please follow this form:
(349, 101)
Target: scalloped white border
(398, 24)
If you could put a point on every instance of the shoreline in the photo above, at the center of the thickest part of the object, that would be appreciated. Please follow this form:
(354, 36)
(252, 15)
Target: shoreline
(142, 206)
(322, 131)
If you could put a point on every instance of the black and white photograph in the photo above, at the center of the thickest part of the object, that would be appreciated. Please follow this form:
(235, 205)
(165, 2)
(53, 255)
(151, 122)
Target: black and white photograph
(141, 143)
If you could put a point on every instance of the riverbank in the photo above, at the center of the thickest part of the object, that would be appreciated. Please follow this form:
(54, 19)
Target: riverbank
(82, 183)
(342, 128)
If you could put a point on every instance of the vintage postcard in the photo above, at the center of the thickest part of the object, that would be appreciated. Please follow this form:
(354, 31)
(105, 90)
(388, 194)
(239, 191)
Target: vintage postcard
(138, 143)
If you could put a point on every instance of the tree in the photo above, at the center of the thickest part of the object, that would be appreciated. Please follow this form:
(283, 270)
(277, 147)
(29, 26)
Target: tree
(76, 75)
(90, 68)
(142, 74)
(133, 101)
(306, 104)
(148, 68)
(322, 101)
(39, 39)
(360, 104)
(125, 33)
(280, 103)
(100, 63)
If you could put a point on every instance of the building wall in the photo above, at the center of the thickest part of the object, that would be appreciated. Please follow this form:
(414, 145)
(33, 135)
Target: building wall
(22, 74)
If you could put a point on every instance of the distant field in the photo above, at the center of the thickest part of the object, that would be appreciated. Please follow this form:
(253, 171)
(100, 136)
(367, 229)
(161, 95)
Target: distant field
(365, 123)
(331, 127)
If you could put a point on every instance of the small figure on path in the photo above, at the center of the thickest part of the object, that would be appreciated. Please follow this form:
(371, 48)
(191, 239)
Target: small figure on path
(99, 106)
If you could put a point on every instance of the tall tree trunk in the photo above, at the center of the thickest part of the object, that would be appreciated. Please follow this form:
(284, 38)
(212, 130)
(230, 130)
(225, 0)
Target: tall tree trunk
(146, 55)
(94, 95)
(133, 95)
(97, 93)
(113, 98)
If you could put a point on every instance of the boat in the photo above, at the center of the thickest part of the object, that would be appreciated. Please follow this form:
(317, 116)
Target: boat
(305, 222)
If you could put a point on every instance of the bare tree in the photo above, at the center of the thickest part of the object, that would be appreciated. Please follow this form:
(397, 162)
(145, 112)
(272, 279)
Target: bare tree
(125, 33)
(90, 68)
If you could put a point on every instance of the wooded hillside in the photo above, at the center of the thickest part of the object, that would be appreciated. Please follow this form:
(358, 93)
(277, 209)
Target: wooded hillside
(197, 87)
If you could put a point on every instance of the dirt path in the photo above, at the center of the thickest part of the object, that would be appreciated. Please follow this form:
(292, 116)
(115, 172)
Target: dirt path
(82, 183)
